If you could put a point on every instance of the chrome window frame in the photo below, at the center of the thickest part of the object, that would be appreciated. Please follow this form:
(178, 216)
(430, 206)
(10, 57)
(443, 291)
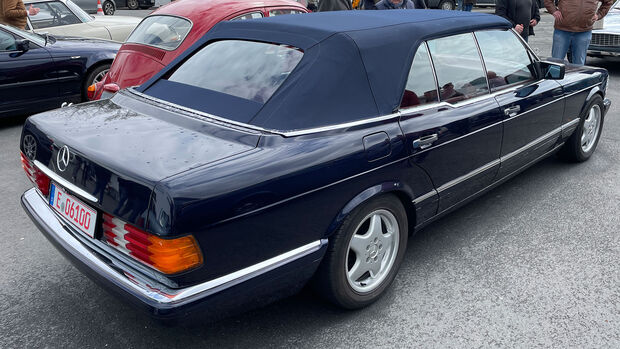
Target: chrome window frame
(432, 66)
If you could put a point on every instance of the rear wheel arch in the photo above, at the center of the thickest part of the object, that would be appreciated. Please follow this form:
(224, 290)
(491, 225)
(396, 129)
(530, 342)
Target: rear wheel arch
(395, 188)
(88, 73)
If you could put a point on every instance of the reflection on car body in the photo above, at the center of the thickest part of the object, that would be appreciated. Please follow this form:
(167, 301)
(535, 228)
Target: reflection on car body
(247, 183)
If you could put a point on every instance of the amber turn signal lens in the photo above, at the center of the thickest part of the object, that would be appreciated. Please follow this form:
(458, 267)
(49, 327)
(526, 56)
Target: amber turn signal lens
(174, 255)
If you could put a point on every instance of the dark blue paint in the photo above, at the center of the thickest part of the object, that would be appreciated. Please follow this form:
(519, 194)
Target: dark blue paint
(249, 195)
(44, 77)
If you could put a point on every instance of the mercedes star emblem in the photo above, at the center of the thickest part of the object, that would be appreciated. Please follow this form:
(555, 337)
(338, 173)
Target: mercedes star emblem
(63, 158)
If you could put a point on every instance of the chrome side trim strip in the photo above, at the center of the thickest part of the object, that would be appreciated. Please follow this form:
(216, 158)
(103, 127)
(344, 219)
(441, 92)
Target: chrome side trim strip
(421, 198)
(570, 123)
(65, 183)
(40, 211)
(532, 143)
(469, 175)
(300, 132)
(340, 126)
(491, 164)
(239, 276)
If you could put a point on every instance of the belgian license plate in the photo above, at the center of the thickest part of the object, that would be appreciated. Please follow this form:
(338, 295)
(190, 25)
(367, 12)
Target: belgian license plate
(74, 210)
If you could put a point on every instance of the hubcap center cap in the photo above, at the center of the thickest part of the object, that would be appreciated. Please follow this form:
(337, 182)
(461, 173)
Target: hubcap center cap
(373, 250)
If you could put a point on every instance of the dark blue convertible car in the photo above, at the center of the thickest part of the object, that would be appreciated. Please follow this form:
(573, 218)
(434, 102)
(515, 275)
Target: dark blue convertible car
(298, 148)
(40, 72)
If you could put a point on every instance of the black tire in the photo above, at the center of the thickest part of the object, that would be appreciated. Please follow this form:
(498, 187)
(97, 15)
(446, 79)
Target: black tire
(94, 76)
(330, 280)
(133, 4)
(573, 150)
(447, 5)
(108, 8)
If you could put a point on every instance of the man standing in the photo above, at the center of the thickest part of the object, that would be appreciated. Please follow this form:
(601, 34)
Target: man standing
(13, 12)
(574, 20)
(400, 4)
(334, 5)
(523, 14)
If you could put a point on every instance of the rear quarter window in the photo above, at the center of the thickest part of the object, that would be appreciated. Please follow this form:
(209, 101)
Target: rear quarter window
(246, 69)
(165, 32)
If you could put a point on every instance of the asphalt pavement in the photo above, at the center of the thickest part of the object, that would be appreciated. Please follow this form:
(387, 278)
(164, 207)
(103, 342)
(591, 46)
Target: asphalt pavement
(535, 262)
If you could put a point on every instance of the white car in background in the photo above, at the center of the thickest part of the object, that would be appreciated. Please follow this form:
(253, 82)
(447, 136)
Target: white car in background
(64, 18)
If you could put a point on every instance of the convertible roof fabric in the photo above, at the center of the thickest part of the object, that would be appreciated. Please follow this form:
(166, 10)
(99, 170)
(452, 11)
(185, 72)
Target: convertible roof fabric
(355, 63)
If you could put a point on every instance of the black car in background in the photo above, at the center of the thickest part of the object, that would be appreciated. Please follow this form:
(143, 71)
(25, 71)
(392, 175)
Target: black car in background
(40, 72)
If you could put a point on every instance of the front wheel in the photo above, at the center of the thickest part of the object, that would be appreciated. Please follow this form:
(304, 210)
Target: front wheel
(133, 4)
(364, 255)
(108, 8)
(582, 143)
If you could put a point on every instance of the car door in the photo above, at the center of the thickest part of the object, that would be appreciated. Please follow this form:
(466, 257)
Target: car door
(452, 125)
(532, 111)
(27, 78)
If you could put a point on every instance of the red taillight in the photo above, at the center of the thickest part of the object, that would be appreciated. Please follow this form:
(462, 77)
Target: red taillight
(39, 178)
(166, 255)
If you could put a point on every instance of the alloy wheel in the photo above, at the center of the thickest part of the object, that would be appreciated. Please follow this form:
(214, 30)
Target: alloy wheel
(372, 251)
(590, 128)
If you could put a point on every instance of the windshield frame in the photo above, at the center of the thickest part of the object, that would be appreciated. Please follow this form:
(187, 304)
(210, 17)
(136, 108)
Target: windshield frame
(77, 11)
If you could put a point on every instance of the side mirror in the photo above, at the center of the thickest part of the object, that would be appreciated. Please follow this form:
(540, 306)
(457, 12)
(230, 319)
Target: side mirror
(22, 45)
(551, 70)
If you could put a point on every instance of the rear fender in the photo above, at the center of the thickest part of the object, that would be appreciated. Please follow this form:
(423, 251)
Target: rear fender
(401, 190)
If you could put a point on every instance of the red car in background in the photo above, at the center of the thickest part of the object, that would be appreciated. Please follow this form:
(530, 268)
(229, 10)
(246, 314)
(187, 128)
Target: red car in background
(170, 30)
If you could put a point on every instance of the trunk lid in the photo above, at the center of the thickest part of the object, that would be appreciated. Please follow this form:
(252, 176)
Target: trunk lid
(122, 147)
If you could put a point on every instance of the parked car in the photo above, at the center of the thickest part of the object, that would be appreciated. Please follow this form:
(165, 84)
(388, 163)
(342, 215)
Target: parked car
(39, 72)
(135, 4)
(65, 18)
(487, 3)
(606, 39)
(90, 6)
(281, 150)
(171, 29)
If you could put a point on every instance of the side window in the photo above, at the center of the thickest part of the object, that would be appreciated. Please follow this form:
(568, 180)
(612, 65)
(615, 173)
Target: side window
(421, 87)
(458, 67)
(283, 12)
(504, 69)
(7, 42)
(251, 15)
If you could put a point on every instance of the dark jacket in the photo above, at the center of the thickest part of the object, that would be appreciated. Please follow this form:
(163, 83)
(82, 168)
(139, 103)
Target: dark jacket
(407, 4)
(334, 5)
(577, 14)
(508, 8)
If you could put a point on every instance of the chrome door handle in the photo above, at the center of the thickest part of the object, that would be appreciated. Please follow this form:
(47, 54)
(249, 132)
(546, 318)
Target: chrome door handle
(425, 142)
(512, 111)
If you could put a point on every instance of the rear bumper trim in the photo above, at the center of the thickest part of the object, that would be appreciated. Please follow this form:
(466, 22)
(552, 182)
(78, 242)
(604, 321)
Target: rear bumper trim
(158, 296)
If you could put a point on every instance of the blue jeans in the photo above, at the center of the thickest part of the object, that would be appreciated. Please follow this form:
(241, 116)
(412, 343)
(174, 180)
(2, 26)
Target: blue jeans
(577, 43)
(467, 7)
(459, 5)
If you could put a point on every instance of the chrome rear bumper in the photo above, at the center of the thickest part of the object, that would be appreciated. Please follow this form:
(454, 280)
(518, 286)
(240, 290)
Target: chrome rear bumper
(160, 300)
